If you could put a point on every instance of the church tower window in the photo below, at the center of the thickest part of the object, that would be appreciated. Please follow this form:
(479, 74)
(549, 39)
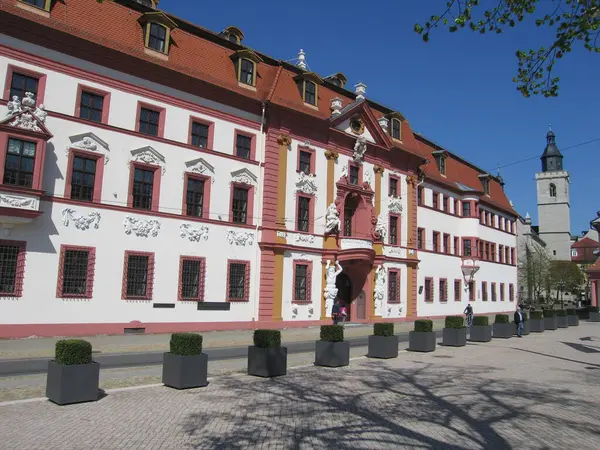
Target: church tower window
(552, 190)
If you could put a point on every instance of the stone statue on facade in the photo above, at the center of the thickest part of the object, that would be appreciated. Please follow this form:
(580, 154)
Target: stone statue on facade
(14, 106)
(360, 148)
(332, 219)
(331, 291)
(379, 289)
(380, 228)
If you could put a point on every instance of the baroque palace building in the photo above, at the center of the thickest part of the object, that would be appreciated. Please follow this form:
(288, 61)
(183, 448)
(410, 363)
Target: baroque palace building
(158, 177)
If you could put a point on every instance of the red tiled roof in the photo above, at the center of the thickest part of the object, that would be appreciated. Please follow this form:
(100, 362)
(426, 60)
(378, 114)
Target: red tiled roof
(586, 242)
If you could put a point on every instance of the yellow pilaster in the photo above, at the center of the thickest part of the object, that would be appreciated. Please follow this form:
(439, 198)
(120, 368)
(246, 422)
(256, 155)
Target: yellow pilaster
(378, 247)
(411, 224)
(330, 242)
(284, 142)
(410, 289)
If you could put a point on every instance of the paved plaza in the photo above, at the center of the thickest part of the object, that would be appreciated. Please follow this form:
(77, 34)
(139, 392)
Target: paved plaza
(539, 392)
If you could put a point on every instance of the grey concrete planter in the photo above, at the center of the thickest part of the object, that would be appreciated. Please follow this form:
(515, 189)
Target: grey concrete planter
(185, 372)
(454, 337)
(594, 317)
(550, 323)
(332, 354)
(563, 321)
(480, 333)
(573, 321)
(536, 325)
(421, 341)
(503, 330)
(383, 347)
(75, 383)
(526, 328)
(267, 362)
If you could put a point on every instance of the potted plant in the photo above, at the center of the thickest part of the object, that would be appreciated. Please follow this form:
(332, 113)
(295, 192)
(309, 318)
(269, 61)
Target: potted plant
(332, 350)
(481, 331)
(562, 319)
(550, 321)
(184, 365)
(536, 322)
(454, 333)
(72, 375)
(594, 314)
(502, 327)
(526, 325)
(572, 317)
(423, 338)
(383, 343)
(267, 358)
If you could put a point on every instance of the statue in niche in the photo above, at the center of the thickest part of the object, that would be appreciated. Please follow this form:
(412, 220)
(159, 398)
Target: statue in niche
(332, 219)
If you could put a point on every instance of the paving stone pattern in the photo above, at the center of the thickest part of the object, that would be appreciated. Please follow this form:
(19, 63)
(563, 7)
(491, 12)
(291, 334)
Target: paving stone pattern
(539, 392)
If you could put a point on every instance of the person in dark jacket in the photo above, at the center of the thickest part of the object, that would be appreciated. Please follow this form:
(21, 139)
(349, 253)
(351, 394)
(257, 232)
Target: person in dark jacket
(335, 311)
(519, 321)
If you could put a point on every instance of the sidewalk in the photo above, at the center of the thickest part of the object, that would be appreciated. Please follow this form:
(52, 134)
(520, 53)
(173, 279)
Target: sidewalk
(44, 347)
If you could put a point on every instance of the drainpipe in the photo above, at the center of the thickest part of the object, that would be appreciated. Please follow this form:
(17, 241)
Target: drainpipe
(261, 156)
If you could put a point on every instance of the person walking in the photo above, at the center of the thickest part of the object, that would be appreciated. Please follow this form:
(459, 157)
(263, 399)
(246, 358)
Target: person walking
(335, 311)
(519, 321)
(469, 313)
(343, 313)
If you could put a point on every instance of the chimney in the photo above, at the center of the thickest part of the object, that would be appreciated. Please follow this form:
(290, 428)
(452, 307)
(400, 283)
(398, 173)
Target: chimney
(336, 106)
(301, 64)
(384, 123)
(360, 90)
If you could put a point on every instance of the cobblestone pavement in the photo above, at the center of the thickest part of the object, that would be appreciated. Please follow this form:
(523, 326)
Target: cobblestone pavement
(538, 392)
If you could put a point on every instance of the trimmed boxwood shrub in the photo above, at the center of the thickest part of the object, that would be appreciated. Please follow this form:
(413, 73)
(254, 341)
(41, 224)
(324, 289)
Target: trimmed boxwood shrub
(571, 312)
(73, 351)
(185, 344)
(501, 318)
(561, 313)
(537, 315)
(332, 333)
(549, 313)
(454, 322)
(424, 325)
(267, 338)
(481, 321)
(383, 329)
(525, 316)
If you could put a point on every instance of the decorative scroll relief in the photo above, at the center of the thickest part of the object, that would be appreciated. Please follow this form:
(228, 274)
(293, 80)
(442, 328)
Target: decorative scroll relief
(330, 292)
(14, 201)
(199, 166)
(369, 177)
(148, 155)
(240, 238)
(25, 116)
(81, 222)
(89, 142)
(394, 311)
(306, 183)
(282, 234)
(302, 238)
(141, 227)
(379, 291)
(192, 233)
(395, 204)
(243, 176)
(348, 244)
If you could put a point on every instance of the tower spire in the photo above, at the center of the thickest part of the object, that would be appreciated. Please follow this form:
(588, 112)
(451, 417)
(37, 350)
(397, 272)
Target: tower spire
(551, 158)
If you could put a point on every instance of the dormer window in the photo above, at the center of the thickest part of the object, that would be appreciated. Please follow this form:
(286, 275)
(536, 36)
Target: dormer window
(246, 62)
(157, 32)
(440, 160)
(42, 4)
(233, 34)
(395, 128)
(308, 87)
(485, 183)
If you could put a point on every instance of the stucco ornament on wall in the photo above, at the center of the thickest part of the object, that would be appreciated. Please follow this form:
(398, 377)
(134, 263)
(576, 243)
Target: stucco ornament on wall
(380, 230)
(332, 219)
(360, 148)
(395, 204)
(141, 227)
(368, 178)
(81, 222)
(192, 233)
(201, 167)
(17, 202)
(89, 142)
(240, 238)
(330, 292)
(379, 291)
(148, 155)
(25, 113)
(306, 183)
(243, 176)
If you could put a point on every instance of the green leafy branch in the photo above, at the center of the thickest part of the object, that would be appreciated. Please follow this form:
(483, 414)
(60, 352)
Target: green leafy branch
(573, 21)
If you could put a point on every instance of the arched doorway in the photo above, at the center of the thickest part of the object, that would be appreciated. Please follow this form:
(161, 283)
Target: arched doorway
(344, 286)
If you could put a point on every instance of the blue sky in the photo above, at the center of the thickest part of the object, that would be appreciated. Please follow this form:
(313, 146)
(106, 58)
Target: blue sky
(457, 89)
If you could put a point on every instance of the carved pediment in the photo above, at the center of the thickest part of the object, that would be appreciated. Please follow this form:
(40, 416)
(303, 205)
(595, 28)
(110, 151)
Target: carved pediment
(200, 166)
(27, 121)
(90, 142)
(243, 176)
(148, 155)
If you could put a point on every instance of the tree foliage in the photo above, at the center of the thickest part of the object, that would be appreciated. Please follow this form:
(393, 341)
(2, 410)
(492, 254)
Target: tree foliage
(565, 276)
(573, 22)
(534, 271)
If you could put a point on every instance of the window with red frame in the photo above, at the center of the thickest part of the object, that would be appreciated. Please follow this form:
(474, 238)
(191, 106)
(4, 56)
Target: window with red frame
(484, 293)
(20, 163)
(239, 205)
(20, 84)
(446, 243)
(420, 233)
(466, 247)
(353, 174)
(494, 292)
(457, 290)
(393, 236)
(500, 253)
(456, 246)
(511, 292)
(143, 185)
(445, 206)
(139, 273)
(12, 265)
(243, 146)
(436, 241)
(194, 197)
(420, 196)
(435, 200)
(238, 281)
(91, 106)
(305, 159)
(393, 187)
(303, 218)
(76, 269)
(83, 178)
(466, 209)
(443, 290)
(428, 289)
(456, 207)
(502, 296)
(149, 121)
(191, 279)
(512, 256)
(393, 286)
(302, 283)
(200, 134)
(471, 291)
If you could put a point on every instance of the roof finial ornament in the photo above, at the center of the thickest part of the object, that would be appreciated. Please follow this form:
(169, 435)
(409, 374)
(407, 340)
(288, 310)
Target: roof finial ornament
(550, 127)
(301, 64)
